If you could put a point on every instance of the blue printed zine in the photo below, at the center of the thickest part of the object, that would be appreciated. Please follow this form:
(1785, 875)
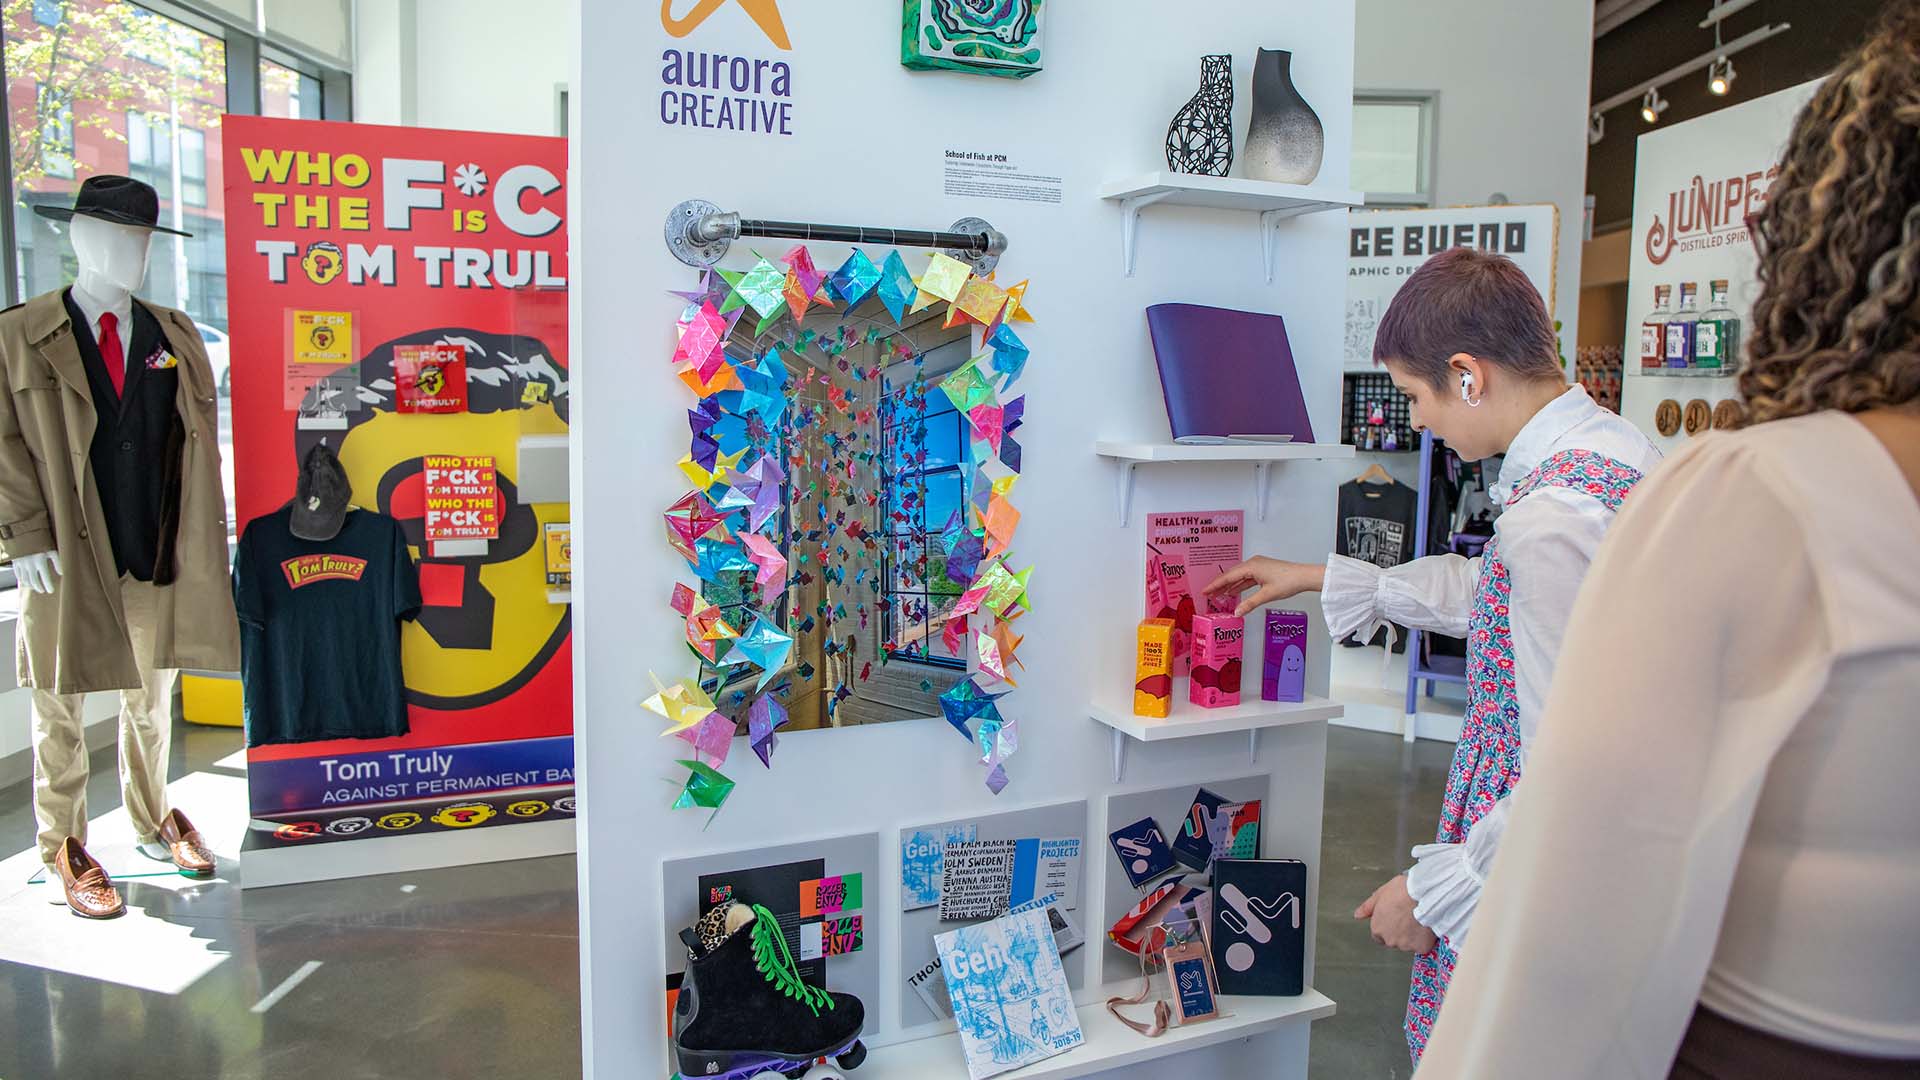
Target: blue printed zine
(1009, 991)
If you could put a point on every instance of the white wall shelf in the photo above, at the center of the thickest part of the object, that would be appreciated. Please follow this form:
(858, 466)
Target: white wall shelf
(1188, 720)
(1274, 203)
(1109, 1044)
(1131, 455)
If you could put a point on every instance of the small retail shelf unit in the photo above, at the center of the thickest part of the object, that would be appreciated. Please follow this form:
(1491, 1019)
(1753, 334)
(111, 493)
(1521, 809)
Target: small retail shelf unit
(1131, 455)
(1109, 1044)
(1188, 720)
(1274, 203)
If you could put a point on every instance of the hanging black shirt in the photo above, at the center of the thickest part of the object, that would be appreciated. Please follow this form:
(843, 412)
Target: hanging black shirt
(1376, 526)
(320, 629)
(138, 440)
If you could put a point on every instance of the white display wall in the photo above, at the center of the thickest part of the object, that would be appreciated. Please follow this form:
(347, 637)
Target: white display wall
(1703, 176)
(868, 147)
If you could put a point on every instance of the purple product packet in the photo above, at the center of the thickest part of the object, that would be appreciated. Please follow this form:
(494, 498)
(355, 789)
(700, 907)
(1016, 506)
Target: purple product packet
(1283, 670)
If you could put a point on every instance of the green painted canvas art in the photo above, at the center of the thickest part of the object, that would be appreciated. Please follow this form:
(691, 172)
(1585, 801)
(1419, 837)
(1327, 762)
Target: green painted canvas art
(985, 37)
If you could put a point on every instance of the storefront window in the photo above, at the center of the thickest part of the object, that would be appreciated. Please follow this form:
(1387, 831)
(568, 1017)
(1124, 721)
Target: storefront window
(105, 86)
(288, 93)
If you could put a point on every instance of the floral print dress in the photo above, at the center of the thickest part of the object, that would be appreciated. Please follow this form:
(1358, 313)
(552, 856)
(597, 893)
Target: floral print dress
(1486, 761)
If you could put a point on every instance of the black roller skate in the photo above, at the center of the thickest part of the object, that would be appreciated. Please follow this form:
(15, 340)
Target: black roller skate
(745, 1012)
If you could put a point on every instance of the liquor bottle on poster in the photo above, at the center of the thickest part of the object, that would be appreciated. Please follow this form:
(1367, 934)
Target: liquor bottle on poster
(1653, 333)
(1716, 338)
(1680, 331)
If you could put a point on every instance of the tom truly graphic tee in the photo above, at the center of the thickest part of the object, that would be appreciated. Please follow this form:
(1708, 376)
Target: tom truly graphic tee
(1376, 526)
(320, 629)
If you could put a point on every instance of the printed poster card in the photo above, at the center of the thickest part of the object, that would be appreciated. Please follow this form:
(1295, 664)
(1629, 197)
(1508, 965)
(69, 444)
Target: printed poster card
(1174, 541)
(976, 881)
(776, 888)
(462, 497)
(830, 896)
(1234, 832)
(1046, 868)
(1191, 845)
(319, 344)
(430, 378)
(1143, 851)
(931, 985)
(922, 865)
(559, 554)
(830, 937)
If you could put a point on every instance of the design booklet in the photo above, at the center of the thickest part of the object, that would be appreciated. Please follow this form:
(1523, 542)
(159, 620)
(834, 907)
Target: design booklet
(1259, 946)
(1009, 993)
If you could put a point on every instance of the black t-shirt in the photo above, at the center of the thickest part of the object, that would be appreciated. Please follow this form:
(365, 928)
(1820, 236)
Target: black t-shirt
(1376, 526)
(320, 629)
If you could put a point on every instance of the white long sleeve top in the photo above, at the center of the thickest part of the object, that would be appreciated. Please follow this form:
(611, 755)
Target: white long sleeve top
(1721, 807)
(1547, 540)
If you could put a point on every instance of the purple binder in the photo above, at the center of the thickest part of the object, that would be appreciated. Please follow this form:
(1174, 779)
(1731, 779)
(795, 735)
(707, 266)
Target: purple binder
(1226, 372)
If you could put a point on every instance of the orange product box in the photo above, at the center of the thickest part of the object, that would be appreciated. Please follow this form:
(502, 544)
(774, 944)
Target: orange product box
(1153, 668)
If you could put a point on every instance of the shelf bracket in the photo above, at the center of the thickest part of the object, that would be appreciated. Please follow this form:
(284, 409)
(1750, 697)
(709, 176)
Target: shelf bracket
(1124, 491)
(1260, 469)
(1130, 222)
(1119, 754)
(1269, 228)
(1253, 746)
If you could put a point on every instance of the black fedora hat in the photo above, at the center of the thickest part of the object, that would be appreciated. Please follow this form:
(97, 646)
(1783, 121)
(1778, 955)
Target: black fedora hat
(119, 199)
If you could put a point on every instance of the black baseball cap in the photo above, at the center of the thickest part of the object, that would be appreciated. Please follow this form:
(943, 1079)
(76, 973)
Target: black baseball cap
(321, 497)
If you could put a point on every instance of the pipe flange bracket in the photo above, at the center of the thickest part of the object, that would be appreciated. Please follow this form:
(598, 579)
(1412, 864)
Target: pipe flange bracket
(982, 262)
(695, 233)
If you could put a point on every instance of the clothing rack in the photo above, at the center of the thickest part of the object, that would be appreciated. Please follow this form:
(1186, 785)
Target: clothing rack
(699, 233)
(1417, 671)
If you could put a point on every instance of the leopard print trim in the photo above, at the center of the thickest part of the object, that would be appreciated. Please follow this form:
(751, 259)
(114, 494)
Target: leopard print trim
(712, 928)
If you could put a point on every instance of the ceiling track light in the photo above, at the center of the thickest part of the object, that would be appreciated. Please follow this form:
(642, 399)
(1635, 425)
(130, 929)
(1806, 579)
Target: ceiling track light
(1596, 128)
(1652, 105)
(1720, 76)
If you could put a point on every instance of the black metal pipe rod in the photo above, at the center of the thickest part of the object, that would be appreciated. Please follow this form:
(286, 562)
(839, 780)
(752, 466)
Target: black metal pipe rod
(975, 243)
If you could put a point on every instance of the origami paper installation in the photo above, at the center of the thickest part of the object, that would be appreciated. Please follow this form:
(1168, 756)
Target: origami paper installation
(786, 462)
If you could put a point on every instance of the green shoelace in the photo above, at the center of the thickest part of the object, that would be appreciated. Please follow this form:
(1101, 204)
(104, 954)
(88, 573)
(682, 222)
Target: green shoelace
(772, 960)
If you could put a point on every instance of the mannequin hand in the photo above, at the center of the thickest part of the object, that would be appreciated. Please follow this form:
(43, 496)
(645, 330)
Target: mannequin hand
(1391, 909)
(1270, 579)
(39, 572)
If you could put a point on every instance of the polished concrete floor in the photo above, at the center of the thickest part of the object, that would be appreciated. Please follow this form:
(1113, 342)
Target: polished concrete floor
(471, 973)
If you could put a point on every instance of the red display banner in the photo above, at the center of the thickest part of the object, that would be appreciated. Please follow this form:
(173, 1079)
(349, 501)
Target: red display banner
(400, 243)
(462, 501)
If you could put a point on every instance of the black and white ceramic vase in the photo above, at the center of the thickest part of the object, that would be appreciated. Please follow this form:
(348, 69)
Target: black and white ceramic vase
(1284, 138)
(1200, 139)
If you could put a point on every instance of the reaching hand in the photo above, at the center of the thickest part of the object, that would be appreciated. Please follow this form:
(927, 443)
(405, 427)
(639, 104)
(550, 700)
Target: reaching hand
(1270, 579)
(39, 572)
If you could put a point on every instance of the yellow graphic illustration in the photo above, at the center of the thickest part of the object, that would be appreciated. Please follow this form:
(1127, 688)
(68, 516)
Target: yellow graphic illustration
(323, 337)
(463, 815)
(405, 819)
(323, 261)
(527, 808)
(765, 15)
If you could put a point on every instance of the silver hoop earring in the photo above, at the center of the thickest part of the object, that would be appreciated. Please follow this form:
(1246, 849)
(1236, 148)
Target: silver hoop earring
(1472, 403)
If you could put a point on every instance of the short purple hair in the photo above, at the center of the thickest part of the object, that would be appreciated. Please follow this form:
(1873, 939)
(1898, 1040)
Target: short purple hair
(1468, 301)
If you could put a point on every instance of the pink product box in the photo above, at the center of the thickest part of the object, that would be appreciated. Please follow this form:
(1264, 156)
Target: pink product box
(1283, 668)
(1217, 647)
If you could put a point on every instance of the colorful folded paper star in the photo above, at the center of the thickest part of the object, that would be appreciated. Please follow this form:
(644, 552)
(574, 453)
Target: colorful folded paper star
(701, 333)
(764, 719)
(966, 701)
(763, 553)
(896, 287)
(761, 288)
(712, 738)
(706, 787)
(690, 519)
(1009, 352)
(981, 300)
(800, 265)
(968, 386)
(987, 648)
(766, 646)
(856, 279)
(683, 704)
(945, 277)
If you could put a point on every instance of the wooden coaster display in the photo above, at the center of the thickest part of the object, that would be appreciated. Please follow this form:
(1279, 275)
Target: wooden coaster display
(1729, 415)
(1699, 416)
(1666, 418)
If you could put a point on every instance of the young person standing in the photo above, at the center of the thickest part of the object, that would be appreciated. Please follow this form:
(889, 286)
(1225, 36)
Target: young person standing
(1469, 341)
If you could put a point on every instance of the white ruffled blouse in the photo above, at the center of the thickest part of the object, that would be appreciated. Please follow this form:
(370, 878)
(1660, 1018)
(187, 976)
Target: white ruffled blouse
(1547, 541)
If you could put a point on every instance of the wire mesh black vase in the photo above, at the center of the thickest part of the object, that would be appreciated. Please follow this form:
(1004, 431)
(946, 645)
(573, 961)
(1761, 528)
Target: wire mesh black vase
(1200, 139)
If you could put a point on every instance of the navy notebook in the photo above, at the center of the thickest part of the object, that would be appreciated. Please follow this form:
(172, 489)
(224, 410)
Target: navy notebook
(1226, 372)
(1259, 910)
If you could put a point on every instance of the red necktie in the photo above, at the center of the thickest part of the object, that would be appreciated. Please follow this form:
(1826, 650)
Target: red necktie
(112, 353)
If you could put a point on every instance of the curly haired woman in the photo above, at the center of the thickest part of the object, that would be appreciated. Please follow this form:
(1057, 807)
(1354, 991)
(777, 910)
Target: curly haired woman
(1715, 864)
